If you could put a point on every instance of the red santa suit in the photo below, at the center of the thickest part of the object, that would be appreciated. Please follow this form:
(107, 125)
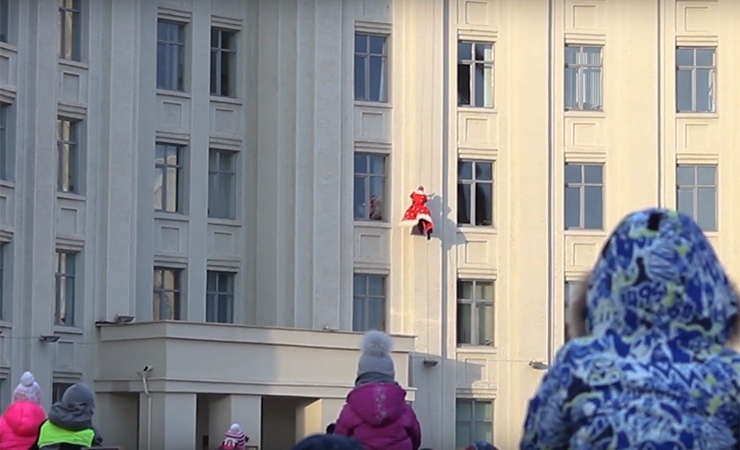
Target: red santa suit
(418, 213)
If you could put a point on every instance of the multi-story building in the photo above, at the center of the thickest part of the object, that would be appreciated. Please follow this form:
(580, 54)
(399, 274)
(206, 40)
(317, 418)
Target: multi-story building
(200, 199)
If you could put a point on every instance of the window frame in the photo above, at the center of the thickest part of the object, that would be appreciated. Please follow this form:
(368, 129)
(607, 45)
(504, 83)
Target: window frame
(160, 294)
(213, 295)
(694, 188)
(366, 298)
(68, 155)
(216, 178)
(384, 89)
(582, 185)
(58, 388)
(218, 52)
(367, 178)
(4, 21)
(472, 65)
(69, 277)
(70, 13)
(3, 280)
(5, 147)
(473, 182)
(475, 306)
(179, 169)
(174, 77)
(474, 422)
(581, 66)
(694, 82)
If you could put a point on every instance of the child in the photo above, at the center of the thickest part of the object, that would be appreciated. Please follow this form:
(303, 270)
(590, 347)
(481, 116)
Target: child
(649, 365)
(330, 428)
(327, 442)
(234, 439)
(19, 426)
(376, 413)
(28, 389)
(69, 426)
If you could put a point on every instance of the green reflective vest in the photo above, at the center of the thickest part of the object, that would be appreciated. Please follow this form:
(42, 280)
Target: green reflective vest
(50, 434)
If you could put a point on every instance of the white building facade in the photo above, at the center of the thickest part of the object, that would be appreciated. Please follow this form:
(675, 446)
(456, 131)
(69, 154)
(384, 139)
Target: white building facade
(200, 199)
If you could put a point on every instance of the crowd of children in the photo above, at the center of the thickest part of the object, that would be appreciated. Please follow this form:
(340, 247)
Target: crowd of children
(648, 365)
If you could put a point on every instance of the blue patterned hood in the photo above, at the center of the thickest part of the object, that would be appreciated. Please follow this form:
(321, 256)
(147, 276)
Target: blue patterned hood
(658, 276)
(653, 370)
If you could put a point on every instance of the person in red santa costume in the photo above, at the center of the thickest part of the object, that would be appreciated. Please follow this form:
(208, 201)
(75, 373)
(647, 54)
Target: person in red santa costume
(418, 213)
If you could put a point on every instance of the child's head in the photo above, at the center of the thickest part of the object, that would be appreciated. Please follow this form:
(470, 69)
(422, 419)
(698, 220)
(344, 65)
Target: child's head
(327, 442)
(80, 394)
(376, 355)
(657, 273)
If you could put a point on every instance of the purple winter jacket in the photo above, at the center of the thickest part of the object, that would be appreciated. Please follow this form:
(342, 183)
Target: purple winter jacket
(378, 417)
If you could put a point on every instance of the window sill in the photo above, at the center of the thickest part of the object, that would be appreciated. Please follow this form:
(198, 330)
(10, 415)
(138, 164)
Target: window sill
(228, 100)
(712, 234)
(70, 331)
(75, 64)
(8, 47)
(585, 232)
(168, 93)
(224, 222)
(71, 196)
(478, 109)
(697, 115)
(585, 114)
(172, 216)
(477, 349)
(372, 224)
(6, 324)
(370, 104)
(7, 184)
(472, 229)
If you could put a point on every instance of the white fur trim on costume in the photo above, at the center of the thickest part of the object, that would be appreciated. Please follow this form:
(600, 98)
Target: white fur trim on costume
(418, 192)
(424, 217)
(376, 343)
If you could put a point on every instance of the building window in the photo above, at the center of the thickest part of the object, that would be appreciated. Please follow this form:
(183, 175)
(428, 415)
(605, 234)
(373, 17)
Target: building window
(583, 78)
(67, 155)
(70, 38)
(4, 20)
(368, 308)
(584, 196)
(167, 293)
(168, 178)
(475, 193)
(4, 142)
(370, 176)
(475, 312)
(222, 184)
(695, 75)
(223, 62)
(220, 297)
(475, 74)
(58, 389)
(570, 290)
(64, 305)
(170, 56)
(3, 255)
(474, 422)
(371, 71)
(696, 193)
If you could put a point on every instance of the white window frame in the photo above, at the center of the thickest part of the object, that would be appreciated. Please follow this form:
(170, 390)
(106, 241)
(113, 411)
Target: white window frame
(473, 64)
(473, 182)
(70, 30)
(165, 169)
(215, 292)
(160, 303)
(174, 77)
(65, 288)
(368, 205)
(366, 56)
(217, 209)
(581, 67)
(218, 52)
(475, 304)
(366, 298)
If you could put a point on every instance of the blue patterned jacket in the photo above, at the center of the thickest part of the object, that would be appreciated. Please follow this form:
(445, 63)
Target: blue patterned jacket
(653, 370)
